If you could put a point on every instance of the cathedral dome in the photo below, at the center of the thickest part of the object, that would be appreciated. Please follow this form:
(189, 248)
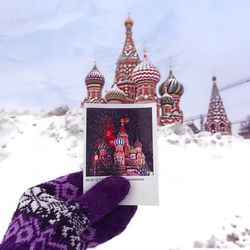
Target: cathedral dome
(119, 141)
(171, 86)
(133, 151)
(115, 94)
(137, 144)
(95, 77)
(167, 99)
(128, 21)
(145, 72)
(103, 145)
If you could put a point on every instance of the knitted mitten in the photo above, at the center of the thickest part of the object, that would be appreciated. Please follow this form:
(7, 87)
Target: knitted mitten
(56, 215)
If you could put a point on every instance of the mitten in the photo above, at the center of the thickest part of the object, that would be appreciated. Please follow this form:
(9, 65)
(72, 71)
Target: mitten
(56, 215)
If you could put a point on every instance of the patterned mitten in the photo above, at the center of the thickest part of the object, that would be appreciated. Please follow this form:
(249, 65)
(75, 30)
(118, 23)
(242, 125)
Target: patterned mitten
(56, 215)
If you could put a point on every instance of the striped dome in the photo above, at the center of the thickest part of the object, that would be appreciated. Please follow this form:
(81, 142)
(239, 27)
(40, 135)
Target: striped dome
(167, 99)
(115, 94)
(119, 141)
(171, 86)
(145, 72)
(94, 77)
(103, 145)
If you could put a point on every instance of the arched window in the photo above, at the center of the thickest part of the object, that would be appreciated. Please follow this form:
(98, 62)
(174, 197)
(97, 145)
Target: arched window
(222, 127)
(212, 126)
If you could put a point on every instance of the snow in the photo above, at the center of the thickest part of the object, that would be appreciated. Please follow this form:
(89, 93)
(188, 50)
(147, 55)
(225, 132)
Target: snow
(204, 180)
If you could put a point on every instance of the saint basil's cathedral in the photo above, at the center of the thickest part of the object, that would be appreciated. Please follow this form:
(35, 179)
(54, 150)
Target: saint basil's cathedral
(135, 82)
(123, 158)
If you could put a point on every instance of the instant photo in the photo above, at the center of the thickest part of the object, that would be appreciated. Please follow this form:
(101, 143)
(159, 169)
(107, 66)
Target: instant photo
(120, 140)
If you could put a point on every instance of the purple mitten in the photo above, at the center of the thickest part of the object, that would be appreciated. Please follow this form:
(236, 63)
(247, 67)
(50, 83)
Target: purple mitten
(56, 215)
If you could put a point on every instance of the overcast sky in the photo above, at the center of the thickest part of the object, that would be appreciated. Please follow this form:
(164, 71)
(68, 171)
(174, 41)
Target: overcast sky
(47, 48)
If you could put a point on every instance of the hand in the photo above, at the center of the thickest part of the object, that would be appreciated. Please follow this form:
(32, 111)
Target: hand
(56, 215)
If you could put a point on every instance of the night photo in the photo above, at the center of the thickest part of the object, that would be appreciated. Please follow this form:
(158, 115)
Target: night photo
(119, 142)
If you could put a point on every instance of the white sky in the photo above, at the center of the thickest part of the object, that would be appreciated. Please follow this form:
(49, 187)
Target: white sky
(47, 48)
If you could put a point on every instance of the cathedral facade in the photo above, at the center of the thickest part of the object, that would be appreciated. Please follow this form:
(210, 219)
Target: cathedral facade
(123, 158)
(136, 81)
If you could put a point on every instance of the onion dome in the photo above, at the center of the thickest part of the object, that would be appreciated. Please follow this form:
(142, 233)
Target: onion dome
(145, 72)
(167, 99)
(115, 94)
(128, 21)
(133, 151)
(138, 144)
(103, 145)
(119, 141)
(94, 77)
(171, 86)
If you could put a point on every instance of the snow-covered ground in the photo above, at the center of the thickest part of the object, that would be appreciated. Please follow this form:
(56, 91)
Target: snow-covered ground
(204, 180)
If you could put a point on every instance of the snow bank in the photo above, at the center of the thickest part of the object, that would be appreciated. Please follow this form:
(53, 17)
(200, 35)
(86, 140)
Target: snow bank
(203, 180)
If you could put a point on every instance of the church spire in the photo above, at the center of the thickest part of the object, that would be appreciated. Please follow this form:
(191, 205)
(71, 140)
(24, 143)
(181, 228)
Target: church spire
(129, 50)
(215, 90)
(127, 61)
(217, 120)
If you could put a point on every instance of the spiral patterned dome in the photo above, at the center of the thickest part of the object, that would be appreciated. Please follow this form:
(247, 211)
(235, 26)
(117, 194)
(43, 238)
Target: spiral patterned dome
(167, 99)
(115, 94)
(171, 86)
(137, 144)
(145, 72)
(119, 141)
(103, 145)
(94, 77)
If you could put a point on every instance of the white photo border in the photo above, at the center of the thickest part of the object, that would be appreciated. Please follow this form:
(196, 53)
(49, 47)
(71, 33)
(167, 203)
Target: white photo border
(144, 189)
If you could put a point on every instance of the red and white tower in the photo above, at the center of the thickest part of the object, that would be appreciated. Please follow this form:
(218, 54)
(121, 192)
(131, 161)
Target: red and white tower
(122, 133)
(217, 120)
(94, 82)
(119, 155)
(126, 63)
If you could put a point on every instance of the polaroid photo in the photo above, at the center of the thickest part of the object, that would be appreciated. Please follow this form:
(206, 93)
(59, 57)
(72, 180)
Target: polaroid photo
(120, 140)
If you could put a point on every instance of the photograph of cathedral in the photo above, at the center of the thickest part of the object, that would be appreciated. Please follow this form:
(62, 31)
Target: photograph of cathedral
(119, 141)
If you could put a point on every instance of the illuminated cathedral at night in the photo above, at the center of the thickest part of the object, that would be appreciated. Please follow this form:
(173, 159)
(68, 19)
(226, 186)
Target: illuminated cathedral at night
(121, 157)
(136, 82)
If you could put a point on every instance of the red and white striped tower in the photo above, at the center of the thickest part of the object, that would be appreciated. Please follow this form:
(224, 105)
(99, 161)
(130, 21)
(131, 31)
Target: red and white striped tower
(126, 63)
(217, 120)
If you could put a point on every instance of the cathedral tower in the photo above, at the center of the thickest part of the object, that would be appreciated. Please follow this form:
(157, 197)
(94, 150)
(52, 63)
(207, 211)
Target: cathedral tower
(127, 61)
(175, 89)
(167, 102)
(94, 82)
(217, 120)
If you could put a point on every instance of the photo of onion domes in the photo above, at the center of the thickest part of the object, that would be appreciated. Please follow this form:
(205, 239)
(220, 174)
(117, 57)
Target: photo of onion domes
(119, 142)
